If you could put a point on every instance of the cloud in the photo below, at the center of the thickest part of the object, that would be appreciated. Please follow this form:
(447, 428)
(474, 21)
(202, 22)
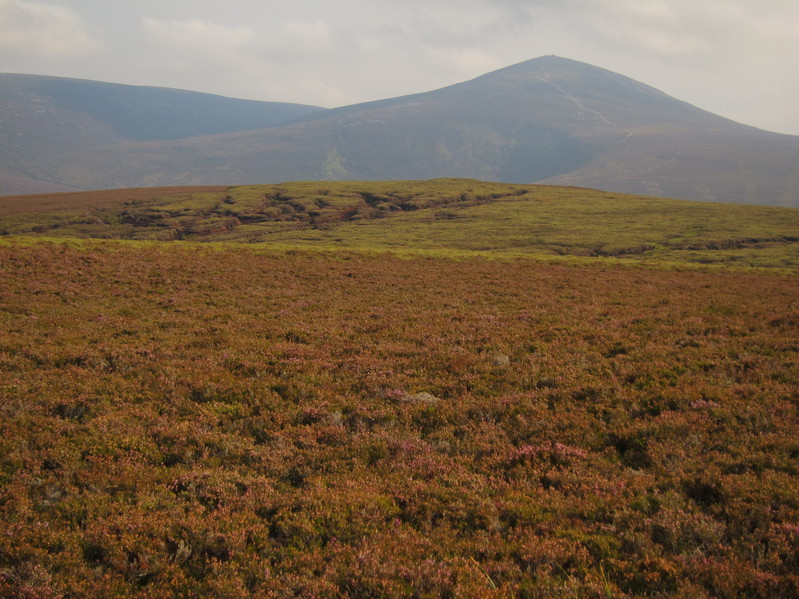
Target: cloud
(315, 30)
(33, 29)
(202, 40)
(439, 24)
(198, 49)
(472, 59)
(709, 31)
(663, 28)
(196, 32)
(278, 59)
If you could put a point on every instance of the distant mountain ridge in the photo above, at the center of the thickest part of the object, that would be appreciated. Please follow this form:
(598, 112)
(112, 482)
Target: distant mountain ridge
(45, 118)
(549, 119)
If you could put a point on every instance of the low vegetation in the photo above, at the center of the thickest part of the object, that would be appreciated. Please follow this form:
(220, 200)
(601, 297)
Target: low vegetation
(230, 420)
(446, 217)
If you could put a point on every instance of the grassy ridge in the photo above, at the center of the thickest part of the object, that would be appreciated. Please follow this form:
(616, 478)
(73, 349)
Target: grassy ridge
(446, 217)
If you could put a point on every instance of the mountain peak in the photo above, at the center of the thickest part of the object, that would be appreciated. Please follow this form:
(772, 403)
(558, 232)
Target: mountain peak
(560, 69)
(551, 61)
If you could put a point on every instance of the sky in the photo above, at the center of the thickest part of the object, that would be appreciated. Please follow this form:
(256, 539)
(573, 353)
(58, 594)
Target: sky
(736, 58)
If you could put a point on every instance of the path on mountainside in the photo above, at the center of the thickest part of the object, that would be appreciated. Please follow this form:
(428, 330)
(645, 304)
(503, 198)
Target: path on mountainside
(676, 153)
(580, 106)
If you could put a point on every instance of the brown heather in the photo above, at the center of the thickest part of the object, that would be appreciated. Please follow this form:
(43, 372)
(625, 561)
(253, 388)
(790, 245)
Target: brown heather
(194, 422)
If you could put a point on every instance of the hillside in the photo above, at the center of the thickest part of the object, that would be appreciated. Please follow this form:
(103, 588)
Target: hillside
(44, 119)
(445, 388)
(450, 217)
(549, 120)
(185, 420)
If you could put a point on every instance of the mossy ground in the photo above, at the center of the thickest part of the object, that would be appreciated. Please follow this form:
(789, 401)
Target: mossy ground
(451, 217)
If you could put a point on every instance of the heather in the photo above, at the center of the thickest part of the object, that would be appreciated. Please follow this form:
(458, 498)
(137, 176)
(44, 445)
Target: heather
(199, 421)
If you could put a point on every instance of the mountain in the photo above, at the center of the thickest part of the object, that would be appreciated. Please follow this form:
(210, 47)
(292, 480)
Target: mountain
(44, 120)
(550, 119)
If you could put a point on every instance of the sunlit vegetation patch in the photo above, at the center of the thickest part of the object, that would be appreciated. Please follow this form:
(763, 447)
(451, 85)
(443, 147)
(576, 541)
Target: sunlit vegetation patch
(180, 421)
(453, 217)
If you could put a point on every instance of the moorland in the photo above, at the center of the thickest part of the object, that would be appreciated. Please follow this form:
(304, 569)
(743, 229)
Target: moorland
(400, 389)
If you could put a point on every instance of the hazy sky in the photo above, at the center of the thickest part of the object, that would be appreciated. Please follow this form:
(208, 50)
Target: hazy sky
(738, 58)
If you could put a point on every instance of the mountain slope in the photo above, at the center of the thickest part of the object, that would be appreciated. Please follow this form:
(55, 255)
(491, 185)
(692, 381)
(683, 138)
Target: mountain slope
(42, 119)
(549, 119)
